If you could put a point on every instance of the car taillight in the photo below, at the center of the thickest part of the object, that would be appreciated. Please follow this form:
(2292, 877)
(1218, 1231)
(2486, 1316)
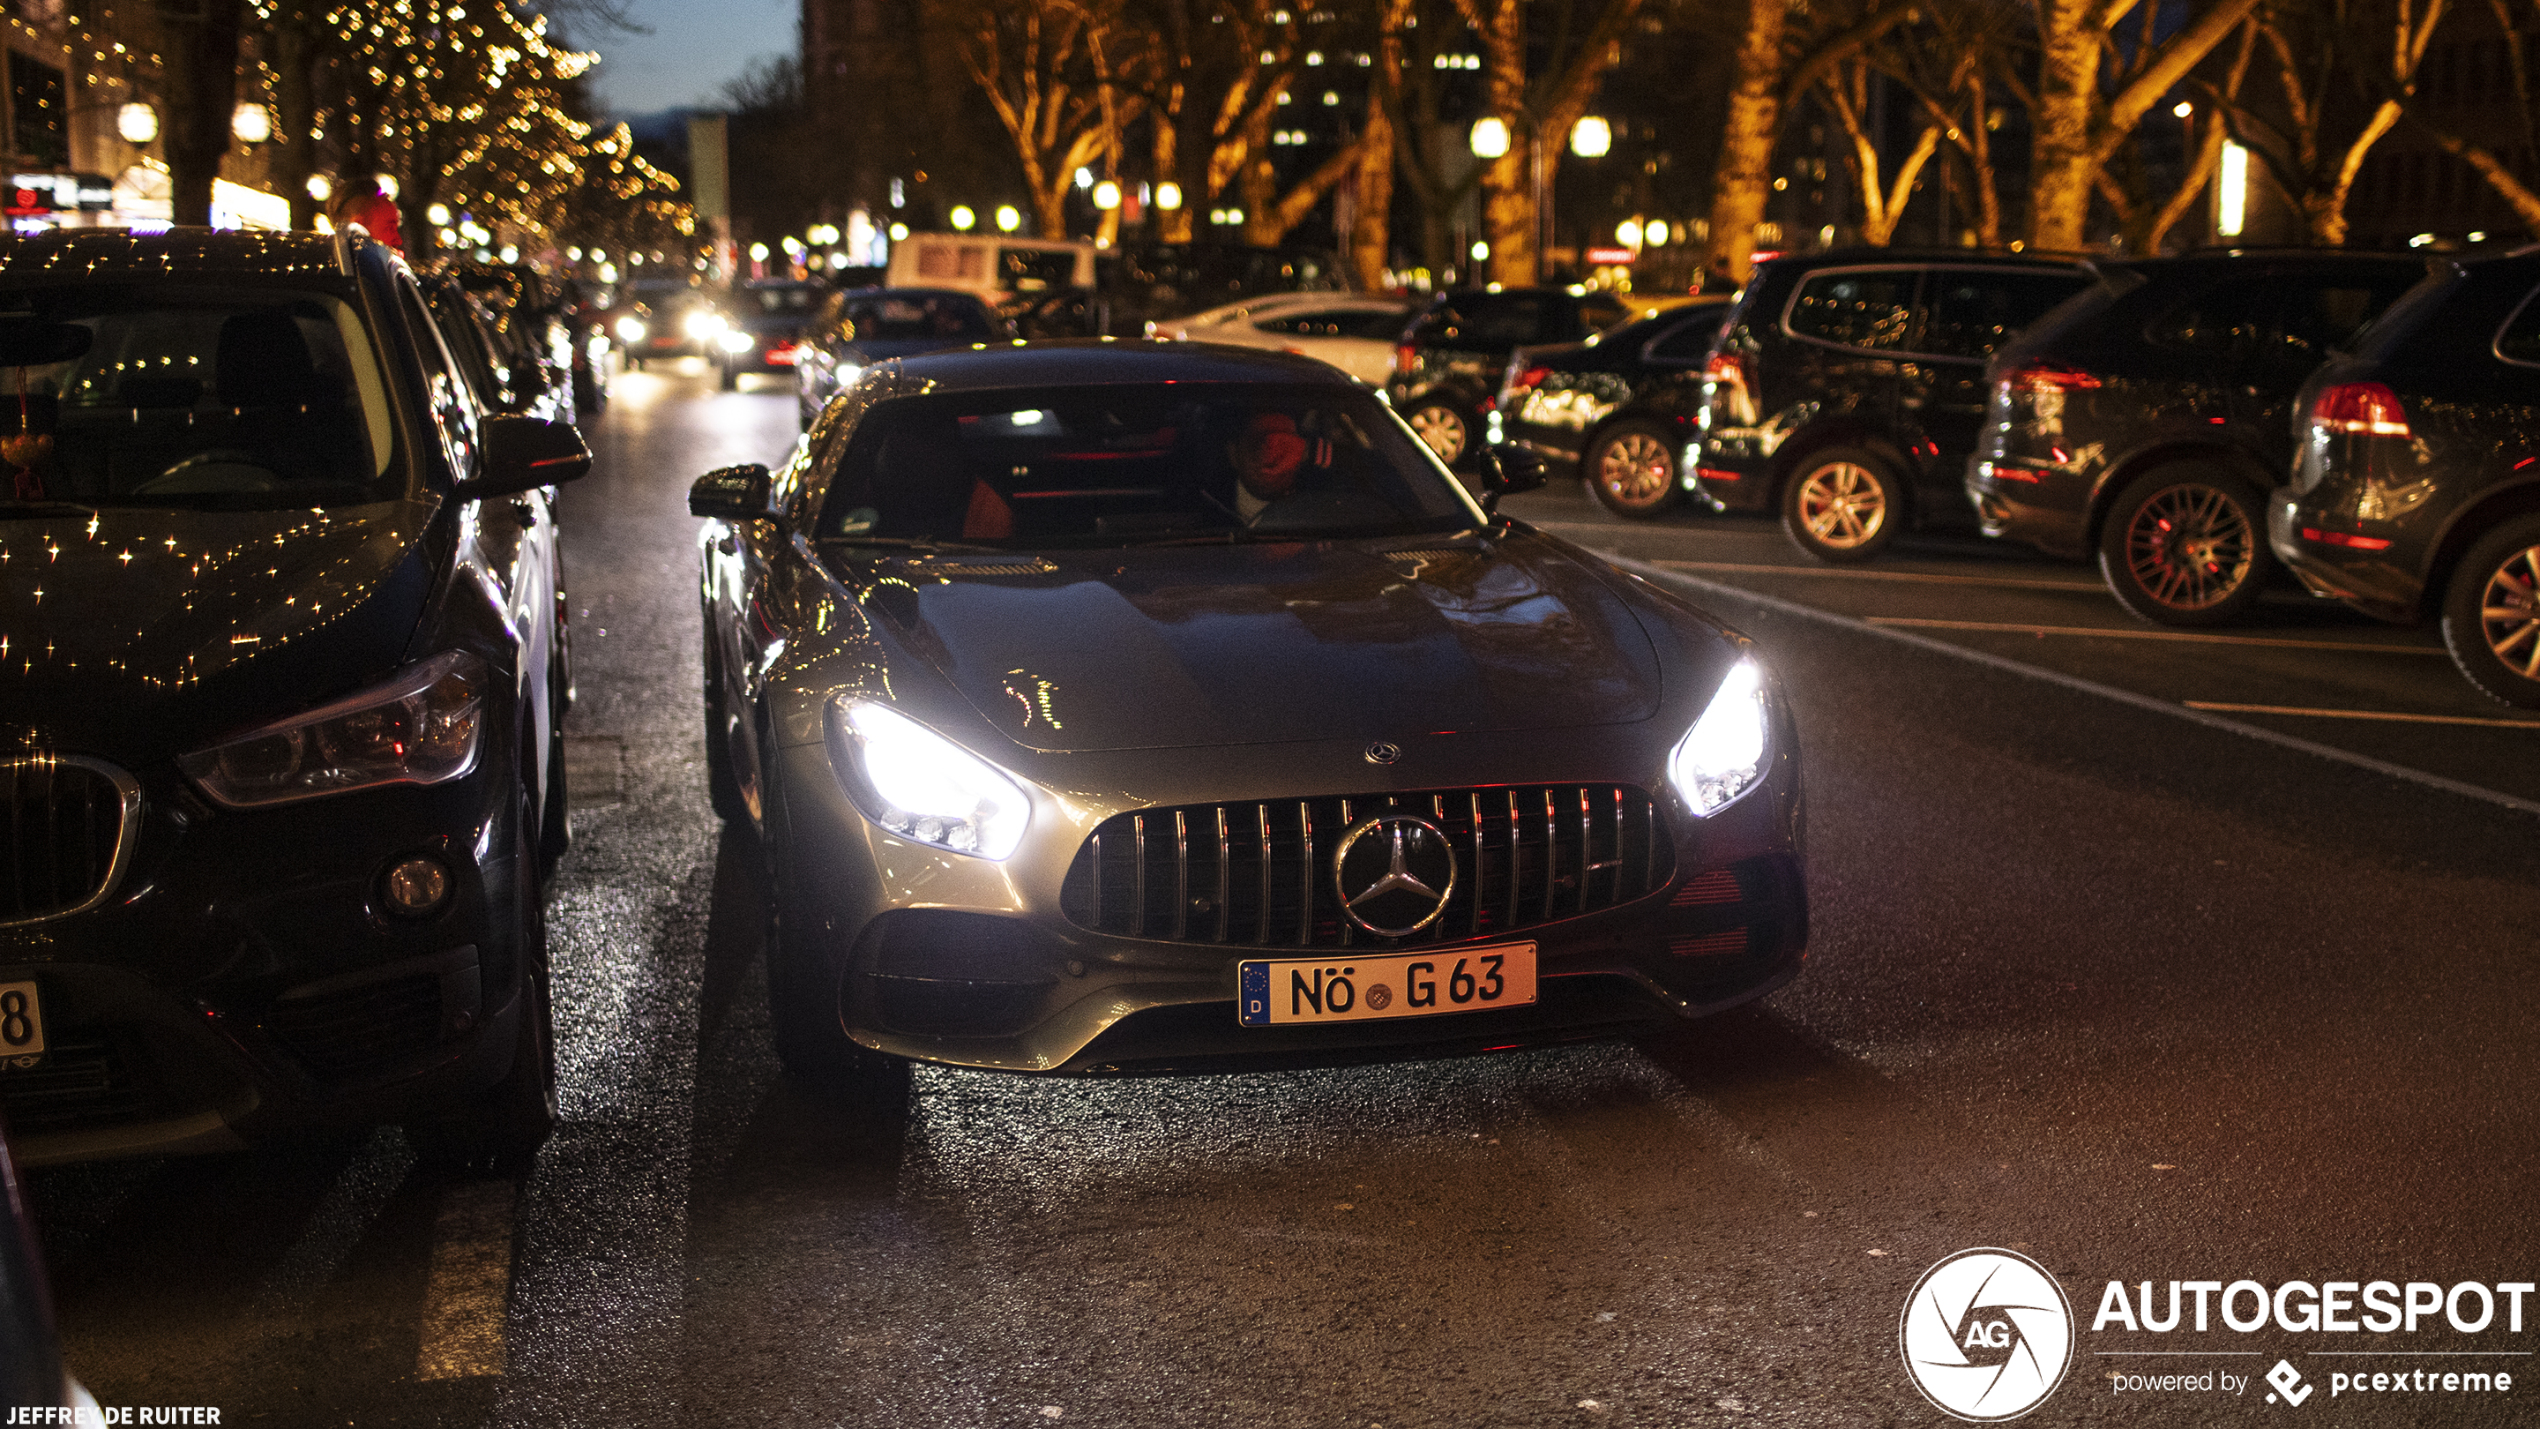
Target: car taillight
(1405, 358)
(2038, 377)
(2362, 409)
(1528, 380)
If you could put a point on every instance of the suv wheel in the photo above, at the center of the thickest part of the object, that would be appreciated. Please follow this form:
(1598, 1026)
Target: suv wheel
(1843, 504)
(2491, 613)
(1632, 469)
(1442, 425)
(2185, 546)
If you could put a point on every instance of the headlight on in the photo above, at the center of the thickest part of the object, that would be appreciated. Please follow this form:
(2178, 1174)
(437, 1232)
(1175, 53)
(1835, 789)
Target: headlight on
(421, 728)
(1722, 756)
(734, 341)
(924, 787)
(702, 326)
(632, 330)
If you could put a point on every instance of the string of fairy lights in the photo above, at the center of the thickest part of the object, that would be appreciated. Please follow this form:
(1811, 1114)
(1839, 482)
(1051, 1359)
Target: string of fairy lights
(472, 108)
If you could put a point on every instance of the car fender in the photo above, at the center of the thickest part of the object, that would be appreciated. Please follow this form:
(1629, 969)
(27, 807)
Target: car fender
(2515, 496)
(2115, 474)
(1839, 429)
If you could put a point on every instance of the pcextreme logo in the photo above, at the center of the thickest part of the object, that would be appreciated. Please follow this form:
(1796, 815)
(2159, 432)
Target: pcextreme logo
(1986, 1335)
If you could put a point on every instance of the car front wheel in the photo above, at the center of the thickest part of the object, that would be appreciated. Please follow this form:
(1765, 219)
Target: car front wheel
(1632, 469)
(2491, 613)
(2183, 546)
(723, 782)
(1843, 505)
(1442, 425)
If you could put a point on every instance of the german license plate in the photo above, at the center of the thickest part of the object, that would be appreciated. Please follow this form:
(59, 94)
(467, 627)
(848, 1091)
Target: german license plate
(21, 1025)
(1281, 992)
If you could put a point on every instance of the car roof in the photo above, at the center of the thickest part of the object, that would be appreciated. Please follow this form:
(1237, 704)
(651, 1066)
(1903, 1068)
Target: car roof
(122, 254)
(1099, 360)
(1921, 258)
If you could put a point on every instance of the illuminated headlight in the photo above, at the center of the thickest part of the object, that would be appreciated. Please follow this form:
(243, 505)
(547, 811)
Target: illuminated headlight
(734, 341)
(421, 728)
(924, 787)
(845, 374)
(599, 345)
(1722, 756)
(632, 330)
(703, 326)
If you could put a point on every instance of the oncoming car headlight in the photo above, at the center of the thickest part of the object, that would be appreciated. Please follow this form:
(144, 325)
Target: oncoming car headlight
(703, 326)
(734, 340)
(1722, 756)
(421, 728)
(924, 787)
(632, 330)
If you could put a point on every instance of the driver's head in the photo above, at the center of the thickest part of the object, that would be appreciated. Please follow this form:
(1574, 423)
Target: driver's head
(1267, 454)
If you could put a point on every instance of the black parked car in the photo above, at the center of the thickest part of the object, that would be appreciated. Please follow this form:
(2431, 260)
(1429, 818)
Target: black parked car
(507, 377)
(767, 319)
(1448, 365)
(2417, 491)
(1138, 286)
(1595, 406)
(1848, 387)
(2147, 419)
(283, 763)
(855, 329)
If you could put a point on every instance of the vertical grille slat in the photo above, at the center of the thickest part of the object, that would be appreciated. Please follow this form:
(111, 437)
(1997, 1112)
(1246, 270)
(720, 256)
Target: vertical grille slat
(69, 822)
(1526, 856)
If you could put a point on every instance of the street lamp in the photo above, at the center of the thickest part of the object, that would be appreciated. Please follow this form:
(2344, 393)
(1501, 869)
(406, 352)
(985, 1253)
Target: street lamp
(1591, 137)
(1009, 218)
(321, 187)
(1656, 232)
(1628, 233)
(137, 123)
(963, 218)
(1168, 195)
(252, 123)
(1490, 137)
(1106, 196)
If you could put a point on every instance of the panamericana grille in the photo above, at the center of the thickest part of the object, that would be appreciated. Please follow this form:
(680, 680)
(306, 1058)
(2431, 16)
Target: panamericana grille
(65, 833)
(1261, 873)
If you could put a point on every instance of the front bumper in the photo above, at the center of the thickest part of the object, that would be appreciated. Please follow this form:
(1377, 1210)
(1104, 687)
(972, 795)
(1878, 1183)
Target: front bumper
(952, 960)
(246, 982)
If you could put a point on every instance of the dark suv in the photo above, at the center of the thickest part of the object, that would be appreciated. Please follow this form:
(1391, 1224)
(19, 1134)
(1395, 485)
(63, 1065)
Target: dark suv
(1848, 386)
(2146, 420)
(282, 765)
(1448, 366)
(2416, 490)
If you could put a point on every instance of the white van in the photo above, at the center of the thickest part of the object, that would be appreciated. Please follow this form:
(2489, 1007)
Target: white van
(997, 268)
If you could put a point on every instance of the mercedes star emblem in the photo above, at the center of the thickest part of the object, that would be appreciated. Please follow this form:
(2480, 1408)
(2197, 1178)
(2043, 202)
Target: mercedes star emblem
(1383, 752)
(1394, 874)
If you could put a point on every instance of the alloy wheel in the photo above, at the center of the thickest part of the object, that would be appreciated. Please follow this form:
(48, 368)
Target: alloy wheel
(2190, 547)
(2509, 612)
(1636, 469)
(1842, 504)
(1442, 427)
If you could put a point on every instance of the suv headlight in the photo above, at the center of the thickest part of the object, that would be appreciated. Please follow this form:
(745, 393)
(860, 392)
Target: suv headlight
(632, 330)
(924, 787)
(1722, 756)
(421, 728)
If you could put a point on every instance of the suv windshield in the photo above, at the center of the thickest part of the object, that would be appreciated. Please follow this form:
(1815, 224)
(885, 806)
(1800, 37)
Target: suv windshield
(1127, 464)
(239, 398)
(909, 317)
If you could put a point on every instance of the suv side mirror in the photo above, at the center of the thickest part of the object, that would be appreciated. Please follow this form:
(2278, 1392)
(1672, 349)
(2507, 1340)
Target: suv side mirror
(1507, 470)
(731, 493)
(525, 453)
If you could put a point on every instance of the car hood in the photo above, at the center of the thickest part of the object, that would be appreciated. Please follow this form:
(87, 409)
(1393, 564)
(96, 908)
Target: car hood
(137, 633)
(1270, 643)
(868, 351)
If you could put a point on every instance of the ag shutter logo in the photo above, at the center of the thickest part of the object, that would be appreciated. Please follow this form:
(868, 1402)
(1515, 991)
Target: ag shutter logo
(1987, 1335)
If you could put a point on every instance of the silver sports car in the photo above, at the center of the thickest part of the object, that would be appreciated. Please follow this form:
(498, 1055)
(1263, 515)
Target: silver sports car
(1134, 707)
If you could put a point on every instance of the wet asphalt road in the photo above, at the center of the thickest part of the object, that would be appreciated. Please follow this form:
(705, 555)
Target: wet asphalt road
(2097, 978)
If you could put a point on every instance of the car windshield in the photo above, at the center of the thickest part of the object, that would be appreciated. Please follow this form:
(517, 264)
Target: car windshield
(241, 398)
(900, 317)
(787, 298)
(1137, 464)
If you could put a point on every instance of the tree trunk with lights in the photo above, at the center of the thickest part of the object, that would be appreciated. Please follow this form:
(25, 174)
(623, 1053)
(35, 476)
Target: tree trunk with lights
(1539, 113)
(200, 43)
(1745, 174)
(296, 41)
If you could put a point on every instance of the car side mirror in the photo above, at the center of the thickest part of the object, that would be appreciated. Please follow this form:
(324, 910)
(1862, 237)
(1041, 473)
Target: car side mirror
(525, 453)
(1507, 470)
(731, 493)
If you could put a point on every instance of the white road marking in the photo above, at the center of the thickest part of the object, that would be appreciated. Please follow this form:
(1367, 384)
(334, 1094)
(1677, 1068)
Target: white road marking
(2183, 636)
(2390, 715)
(1903, 577)
(2106, 692)
(465, 1294)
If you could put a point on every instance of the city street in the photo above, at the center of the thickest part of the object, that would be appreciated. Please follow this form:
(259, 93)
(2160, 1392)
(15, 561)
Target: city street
(2153, 955)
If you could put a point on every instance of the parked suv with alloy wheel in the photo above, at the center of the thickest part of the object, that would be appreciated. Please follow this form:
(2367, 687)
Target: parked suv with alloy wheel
(282, 765)
(1448, 364)
(2146, 421)
(2416, 491)
(1847, 387)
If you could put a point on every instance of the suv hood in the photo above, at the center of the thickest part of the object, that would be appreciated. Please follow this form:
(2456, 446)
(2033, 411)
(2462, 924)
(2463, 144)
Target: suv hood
(138, 633)
(1271, 643)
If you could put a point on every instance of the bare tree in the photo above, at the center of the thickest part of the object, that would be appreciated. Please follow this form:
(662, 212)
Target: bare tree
(1778, 62)
(1539, 106)
(1048, 70)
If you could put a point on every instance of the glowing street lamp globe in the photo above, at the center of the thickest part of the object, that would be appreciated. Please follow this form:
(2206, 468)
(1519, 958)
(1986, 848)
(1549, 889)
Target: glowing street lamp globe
(1591, 138)
(1490, 137)
(1009, 218)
